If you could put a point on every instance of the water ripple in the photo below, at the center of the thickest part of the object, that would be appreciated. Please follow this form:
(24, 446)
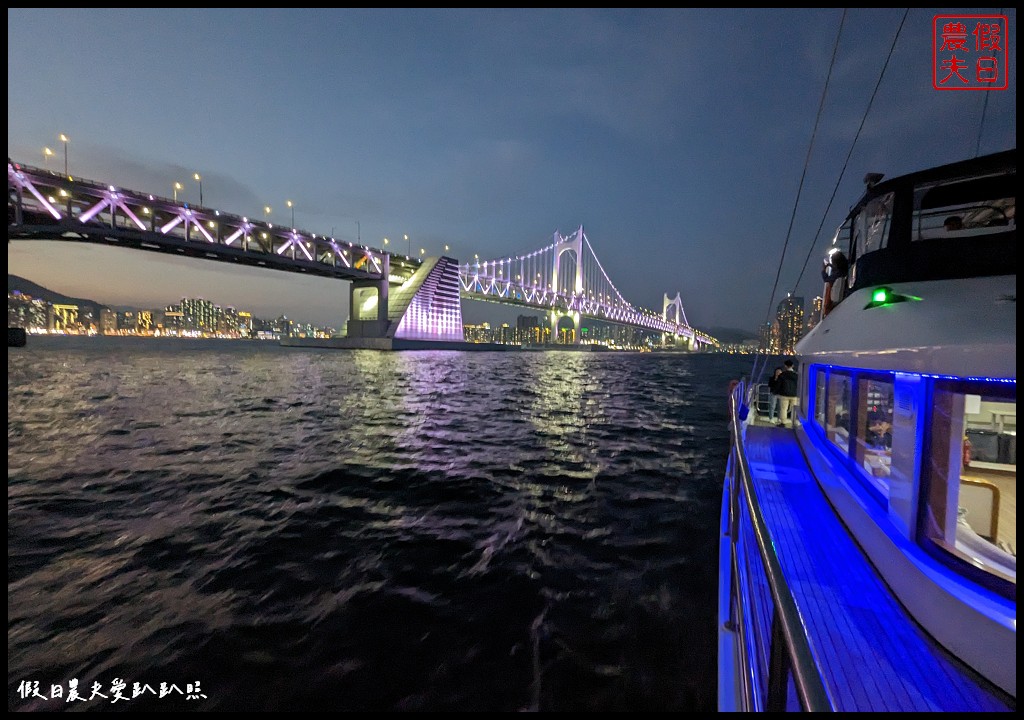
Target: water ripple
(306, 530)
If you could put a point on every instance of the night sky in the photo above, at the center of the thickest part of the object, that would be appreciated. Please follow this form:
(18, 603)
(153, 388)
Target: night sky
(677, 138)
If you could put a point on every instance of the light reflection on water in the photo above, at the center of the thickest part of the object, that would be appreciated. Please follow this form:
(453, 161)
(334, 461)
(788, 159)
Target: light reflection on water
(304, 529)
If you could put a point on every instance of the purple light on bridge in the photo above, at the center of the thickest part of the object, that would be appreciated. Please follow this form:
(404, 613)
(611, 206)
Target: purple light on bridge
(338, 252)
(234, 236)
(49, 208)
(127, 211)
(93, 211)
(203, 231)
(435, 311)
(172, 224)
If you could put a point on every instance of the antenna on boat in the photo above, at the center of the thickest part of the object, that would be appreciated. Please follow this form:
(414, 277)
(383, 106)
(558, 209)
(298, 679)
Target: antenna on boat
(872, 179)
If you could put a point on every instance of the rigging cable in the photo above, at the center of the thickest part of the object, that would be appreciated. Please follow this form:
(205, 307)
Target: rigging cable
(984, 108)
(981, 125)
(755, 376)
(852, 146)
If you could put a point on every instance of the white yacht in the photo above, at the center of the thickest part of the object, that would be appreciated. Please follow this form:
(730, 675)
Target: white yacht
(868, 552)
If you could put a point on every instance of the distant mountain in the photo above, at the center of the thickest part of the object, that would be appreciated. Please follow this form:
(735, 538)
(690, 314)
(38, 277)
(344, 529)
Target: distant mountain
(729, 335)
(28, 287)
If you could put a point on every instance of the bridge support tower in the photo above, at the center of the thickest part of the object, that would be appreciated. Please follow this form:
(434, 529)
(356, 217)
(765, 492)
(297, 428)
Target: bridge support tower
(368, 305)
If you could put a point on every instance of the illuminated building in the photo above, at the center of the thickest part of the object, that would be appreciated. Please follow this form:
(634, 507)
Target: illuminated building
(245, 325)
(528, 329)
(227, 321)
(174, 320)
(108, 322)
(478, 333)
(144, 322)
(126, 322)
(790, 319)
(198, 315)
(504, 334)
(814, 317)
(282, 327)
(24, 311)
(764, 337)
(62, 319)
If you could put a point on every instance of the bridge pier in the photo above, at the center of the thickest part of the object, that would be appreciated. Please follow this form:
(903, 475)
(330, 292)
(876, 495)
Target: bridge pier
(576, 325)
(362, 295)
(682, 342)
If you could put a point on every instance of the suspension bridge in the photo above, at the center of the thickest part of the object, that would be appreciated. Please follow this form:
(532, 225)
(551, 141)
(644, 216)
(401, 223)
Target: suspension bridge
(567, 279)
(392, 296)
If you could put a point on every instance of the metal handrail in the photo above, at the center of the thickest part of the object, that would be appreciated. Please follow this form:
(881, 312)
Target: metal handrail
(760, 391)
(809, 685)
(736, 612)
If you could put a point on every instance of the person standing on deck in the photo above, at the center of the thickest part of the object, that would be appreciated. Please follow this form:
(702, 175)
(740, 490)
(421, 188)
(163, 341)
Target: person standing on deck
(773, 394)
(787, 386)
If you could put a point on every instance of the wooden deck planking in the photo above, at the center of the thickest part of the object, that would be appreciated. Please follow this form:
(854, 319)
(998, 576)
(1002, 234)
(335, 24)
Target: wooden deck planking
(873, 656)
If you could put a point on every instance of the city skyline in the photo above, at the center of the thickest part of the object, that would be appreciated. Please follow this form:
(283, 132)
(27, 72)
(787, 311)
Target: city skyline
(198, 317)
(36, 309)
(672, 141)
(89, 314)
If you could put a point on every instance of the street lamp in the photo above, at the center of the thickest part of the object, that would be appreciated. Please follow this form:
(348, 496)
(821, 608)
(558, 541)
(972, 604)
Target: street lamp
(446, 248)
(198, 178)
(47, 153)
(177, 186)
(409, 250)
(423, 252)
(64, 139)
(292, 206)
(266, 213)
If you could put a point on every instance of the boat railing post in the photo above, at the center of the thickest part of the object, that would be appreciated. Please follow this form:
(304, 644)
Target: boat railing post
(739, 627)
(735, 487)
(734, 506)
(778, 667)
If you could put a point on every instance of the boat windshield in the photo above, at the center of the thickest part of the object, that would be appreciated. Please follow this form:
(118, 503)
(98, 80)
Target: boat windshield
(870, 229)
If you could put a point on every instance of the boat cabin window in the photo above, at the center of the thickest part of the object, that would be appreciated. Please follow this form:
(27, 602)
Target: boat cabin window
(819, 397)
(873, 439)
(837, 410)
(964, 209)
(967, 509)
(972, 475)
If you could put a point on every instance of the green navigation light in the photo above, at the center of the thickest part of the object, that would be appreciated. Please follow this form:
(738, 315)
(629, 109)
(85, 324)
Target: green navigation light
(883, 297)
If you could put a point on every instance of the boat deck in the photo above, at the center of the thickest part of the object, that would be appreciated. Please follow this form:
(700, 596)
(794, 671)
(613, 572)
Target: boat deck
(872, 655)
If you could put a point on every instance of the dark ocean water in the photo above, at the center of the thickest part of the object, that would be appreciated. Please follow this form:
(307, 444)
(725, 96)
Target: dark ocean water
(353, 530)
